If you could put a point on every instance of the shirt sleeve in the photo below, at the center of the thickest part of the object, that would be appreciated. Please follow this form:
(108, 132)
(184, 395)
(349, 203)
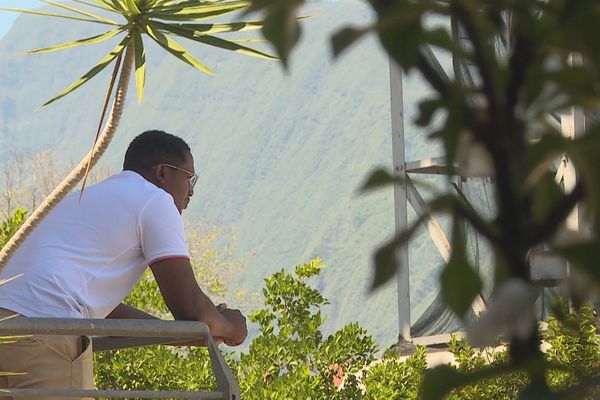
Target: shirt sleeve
(161, 230)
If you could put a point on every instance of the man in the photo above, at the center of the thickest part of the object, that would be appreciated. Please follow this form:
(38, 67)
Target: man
(88, 254)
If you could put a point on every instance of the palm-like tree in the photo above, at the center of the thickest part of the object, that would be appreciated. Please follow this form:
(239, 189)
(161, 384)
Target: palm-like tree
(156, 20)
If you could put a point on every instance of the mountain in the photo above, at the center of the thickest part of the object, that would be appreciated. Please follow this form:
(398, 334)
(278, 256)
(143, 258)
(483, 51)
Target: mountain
(280, 154)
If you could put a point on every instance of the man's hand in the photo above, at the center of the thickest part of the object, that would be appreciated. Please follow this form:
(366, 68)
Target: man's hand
(187, 302)
(238, 323)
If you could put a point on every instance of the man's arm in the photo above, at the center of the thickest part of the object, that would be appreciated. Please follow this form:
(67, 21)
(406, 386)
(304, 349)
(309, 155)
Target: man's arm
(124, 311)
(186, 301)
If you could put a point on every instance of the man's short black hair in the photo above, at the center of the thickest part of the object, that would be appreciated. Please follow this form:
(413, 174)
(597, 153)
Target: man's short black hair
(154, 147)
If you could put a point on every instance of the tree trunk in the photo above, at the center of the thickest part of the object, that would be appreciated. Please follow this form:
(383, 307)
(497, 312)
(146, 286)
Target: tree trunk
(74, 177)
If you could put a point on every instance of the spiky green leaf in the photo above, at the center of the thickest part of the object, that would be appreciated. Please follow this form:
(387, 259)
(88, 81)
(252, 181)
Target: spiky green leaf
(102, 5)
(190, 5)
(90, 40)
(119, 5)
(229, 45)
(94, 71)
(48, 14)
(199, 13)
(174, 48)
(81, 12)
(204, 29)
(212, 41)
(140, 65)
(132, 7)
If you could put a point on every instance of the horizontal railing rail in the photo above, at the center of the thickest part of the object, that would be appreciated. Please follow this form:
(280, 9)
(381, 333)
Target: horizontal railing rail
(111, 334)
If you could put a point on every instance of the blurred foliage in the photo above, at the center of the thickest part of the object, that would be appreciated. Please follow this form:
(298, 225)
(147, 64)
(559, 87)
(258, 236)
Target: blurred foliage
(572, 357)
(518, 66)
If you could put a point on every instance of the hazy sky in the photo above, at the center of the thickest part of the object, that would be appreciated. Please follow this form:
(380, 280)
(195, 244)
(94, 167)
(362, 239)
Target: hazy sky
(7, 17)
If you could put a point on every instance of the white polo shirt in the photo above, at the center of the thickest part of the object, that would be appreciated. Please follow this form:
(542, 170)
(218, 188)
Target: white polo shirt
(86, 256)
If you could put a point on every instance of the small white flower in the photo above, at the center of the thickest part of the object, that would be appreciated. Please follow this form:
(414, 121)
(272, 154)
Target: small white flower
(510, 313)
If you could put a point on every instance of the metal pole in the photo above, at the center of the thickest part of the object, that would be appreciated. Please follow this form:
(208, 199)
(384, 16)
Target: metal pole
(400, 198)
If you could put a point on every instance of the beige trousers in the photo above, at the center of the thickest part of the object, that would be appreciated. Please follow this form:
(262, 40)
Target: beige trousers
(46, 361)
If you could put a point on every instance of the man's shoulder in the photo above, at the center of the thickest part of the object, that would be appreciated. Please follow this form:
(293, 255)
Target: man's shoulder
(129, 183)
(126, 189)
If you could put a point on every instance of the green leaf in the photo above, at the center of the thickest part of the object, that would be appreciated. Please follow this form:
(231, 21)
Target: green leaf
(453, 128)
(56, 15)
(186, 6)
(119, 5)
(132, 7)
(89, 40)
(385, 259)
(380, 178)
(439, 381)
(440, 37)
(198, 13)
(545, 195)
(172, 47)
(87, 14)
(342, 39)
(140, 65)
(102, 5)
(229, 45)
(281, 28)
(200, 29)
(460, 283)
(427, 109)
(305, 271)
(583, 256)
(212, 41)
(402, 41)
(92, 72)
(258, 5)
(542, 154)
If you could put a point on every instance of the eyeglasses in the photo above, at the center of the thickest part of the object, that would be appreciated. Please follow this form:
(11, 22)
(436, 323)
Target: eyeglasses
(192, 177)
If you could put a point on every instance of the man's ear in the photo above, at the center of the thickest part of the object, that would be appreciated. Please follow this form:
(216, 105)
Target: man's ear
(159, 173)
